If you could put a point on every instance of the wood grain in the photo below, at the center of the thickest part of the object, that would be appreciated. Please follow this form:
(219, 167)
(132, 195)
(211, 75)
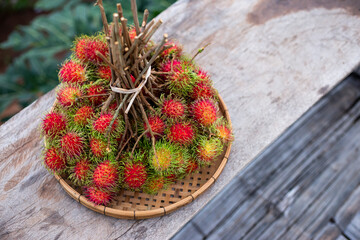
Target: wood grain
(269, 75)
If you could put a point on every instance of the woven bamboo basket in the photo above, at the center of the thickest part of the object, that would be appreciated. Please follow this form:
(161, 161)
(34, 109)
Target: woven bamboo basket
(139, 205)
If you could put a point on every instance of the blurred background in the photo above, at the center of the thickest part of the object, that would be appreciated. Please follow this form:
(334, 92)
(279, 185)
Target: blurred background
(36, 36)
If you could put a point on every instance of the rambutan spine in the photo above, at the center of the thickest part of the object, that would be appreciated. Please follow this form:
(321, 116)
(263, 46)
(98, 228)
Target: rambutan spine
(72, 144)
(72, 72)
(105, 175)
(204, 111)
(54, 160)
(68, 95)
(98, 196)
(182, 133)
(208, 149)
(53, 124)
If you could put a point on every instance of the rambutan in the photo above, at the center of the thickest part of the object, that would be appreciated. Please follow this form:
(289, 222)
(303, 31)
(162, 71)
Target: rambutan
(202, 74)
(157, 125)
(68, 95)
(202, 89)
(135, 175)
(86, 47)
(165, 160)
(72, 72)
(98, 196)
(105, 175)
(224, 133)
(173, 108)
(182, 81)
(132, 78)
(175, 50)
(94, 91)
(83, 115)
(81, 171)
(102, 123)
(208, 149)
(53, 124)
(182, 133)
(154, 184)
(98, 147)
(53, 160)
(104, 72)
(166, 66)
(72, 144)
(192, 166)
(132, 33)
(204, 111)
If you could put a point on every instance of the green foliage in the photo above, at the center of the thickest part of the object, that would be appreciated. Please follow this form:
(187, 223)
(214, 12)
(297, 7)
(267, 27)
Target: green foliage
(46, 42)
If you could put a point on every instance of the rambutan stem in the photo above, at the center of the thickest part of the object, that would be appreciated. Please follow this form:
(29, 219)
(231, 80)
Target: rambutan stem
(116, 114)
(120, 10)
(145, 18)
(199, 51)
(135, 16)
(103, 16)
(137, 141)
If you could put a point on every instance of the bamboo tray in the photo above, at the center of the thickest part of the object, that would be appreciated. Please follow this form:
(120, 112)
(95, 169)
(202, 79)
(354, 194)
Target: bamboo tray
(139, 205)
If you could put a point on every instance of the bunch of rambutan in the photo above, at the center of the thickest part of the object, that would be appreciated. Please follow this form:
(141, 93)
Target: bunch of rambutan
(93, 143)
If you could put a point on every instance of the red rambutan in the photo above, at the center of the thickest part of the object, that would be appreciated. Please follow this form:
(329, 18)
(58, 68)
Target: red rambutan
(98, 147)
(83, 115)
(104, 72)
(202, 89)
(54, 160)
(175, 50)
(135, 175)
(157, 126)
(181, 133)
(94, 91)
(72, 144)
(132, 33)
(86, 47)
(102, 123)
(202, 74)
(173, 108)
(53, 124)
(166, 66)
(224, 133)
(105, 175)
(208, 149)
(81, 170)
(72, 72)
(67, 96)
(98, 196)
(204, 111)
(192, 166)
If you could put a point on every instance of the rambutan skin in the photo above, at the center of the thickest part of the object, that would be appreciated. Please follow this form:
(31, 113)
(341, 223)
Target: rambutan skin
(67, 96)
(86, 47)
(182, 133)
(105, 175)
(173, 108)
(102, 123)
(202, 89)
(135, 175)
(204, 111)
(98, 196)
(72, 72)
(157, 125)
(72, 144)
(104, 72)
(54, 160)
(98, 147)
(208, 149)
(83, 115)
(53, 124)
(81, 170)
(95, 90)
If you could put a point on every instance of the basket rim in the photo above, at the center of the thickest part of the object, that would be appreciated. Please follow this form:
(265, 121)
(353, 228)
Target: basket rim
(143, 214)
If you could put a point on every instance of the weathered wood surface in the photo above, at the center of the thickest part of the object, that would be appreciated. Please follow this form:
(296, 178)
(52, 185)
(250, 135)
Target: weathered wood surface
(269, 73)
(304, 186)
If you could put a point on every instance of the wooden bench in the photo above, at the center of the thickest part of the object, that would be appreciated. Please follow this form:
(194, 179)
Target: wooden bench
(269, 70)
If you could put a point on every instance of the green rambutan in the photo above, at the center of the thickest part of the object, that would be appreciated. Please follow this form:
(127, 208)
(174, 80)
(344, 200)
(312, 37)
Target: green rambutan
(182, 81)
(223, 131)
(154, 184)
(86, 47)
(94, 91)
(208, 149)
(53, 160)
(98, 196)
(204, 111)
(72, 144)
(157, 125)
(202, 89)
(173, 108)
(102, 123)
(53, 124)
(182, 133)
(68, 95)
(166, 158)
(83, 115)
(135, 174)
(98, 147)
(80, 172)
(105, 175)
(72, 72)
(104, 72)
(192, 166)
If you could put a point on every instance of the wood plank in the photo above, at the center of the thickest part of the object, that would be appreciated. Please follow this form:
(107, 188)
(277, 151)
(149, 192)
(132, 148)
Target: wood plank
(268, 78)
(329, 232)
(352, 231)
(305, 135)
(189, 232)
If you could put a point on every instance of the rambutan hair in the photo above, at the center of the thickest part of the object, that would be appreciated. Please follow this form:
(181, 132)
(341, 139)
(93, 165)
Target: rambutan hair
(173, 108)
(222, 130)
(86, 47)
(204, 111)
(53, 124)
(105, 175)
(72, 144)
(72, 72)
(208, 149)
(182, 81)
(182, 133)
(98, 147)
(134, 174)
(98, 196)
(202, 89)
(53, 160)
(68, 95)
(83, 115)
(80, 171)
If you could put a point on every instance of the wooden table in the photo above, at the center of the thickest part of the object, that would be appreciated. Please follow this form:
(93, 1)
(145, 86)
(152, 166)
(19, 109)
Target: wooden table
(270, 64)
